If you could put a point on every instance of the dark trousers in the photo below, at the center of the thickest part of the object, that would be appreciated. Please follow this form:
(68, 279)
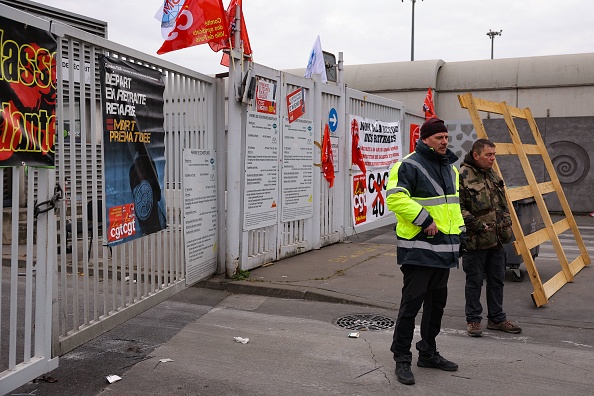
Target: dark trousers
(427, 287)
(477, 264)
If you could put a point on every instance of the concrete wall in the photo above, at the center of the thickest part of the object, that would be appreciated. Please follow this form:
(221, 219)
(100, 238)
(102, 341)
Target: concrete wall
(568, 148)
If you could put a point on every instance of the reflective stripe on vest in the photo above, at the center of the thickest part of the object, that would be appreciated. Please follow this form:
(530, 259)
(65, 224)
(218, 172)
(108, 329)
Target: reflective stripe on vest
(441, 248)
(397, 190)
(437, 201)
(434, 183)
(424, 215)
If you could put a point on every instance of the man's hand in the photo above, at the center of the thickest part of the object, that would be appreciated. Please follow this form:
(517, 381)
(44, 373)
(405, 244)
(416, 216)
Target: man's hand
(463, 243)
(431, 230)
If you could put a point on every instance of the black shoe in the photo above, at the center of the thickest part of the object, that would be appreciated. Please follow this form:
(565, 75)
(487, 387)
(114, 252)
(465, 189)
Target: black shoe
(437, 361)
(404, 374)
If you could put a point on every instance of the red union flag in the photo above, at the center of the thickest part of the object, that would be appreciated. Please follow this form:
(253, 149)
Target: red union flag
(327, 158)
(415, 134)
(244, 38)
(198, 22)
(356, 152)
(428, 106)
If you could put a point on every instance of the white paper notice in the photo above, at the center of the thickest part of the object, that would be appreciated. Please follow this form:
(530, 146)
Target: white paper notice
(261, 171)
(297, 171)
(200, 213)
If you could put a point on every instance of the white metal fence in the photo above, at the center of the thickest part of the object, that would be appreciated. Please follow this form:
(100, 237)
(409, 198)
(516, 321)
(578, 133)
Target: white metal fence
(26, 282)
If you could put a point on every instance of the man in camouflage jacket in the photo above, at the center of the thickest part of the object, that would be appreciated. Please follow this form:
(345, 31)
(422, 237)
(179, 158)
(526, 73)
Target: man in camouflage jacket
(488, 228)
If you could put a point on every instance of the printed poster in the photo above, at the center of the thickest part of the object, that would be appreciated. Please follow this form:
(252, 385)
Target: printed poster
(27, 95)
(359, 199)
(134, 141)
(200, 214)
(265, 97)
(381, 147)
(295, 104)
(297, 172)
(260, 202)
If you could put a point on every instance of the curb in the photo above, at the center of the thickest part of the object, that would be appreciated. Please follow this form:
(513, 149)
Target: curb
(288, 292)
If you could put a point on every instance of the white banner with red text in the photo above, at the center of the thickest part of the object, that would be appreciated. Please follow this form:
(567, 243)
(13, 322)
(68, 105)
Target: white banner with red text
(379, 144)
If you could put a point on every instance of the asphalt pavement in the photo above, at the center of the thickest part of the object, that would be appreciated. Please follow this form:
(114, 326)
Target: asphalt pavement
(296, 314)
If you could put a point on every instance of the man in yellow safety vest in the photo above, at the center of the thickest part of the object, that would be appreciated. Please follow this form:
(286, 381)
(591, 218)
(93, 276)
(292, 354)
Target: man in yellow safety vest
(423, 193)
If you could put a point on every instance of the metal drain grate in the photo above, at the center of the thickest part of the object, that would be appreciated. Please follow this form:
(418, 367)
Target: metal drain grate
(365, 322)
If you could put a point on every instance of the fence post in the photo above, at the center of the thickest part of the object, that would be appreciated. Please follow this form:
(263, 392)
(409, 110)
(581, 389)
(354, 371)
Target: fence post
(221, 162)
(317, 218)
(234, 161)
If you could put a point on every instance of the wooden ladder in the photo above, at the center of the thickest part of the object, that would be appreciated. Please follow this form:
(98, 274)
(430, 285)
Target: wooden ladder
(523, 243)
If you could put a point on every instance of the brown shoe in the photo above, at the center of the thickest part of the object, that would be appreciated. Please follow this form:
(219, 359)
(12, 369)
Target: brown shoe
(474, 329)
(506, 326)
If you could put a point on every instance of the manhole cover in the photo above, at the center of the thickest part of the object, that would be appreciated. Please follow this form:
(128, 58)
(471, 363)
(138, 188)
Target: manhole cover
(365, 322)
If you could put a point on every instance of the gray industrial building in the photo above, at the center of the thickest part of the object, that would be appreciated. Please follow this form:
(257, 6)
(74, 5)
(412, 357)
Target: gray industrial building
(556, 86)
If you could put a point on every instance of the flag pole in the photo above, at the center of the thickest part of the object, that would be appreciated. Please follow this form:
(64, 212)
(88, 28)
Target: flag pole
(238, 28)
(231, 52)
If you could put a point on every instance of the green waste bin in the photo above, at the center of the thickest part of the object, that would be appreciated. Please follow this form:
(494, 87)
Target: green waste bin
(531, 221)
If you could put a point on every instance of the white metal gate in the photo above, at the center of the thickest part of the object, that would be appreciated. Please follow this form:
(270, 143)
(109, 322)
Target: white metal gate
(99, 287)
(287, 238)
(331, 220)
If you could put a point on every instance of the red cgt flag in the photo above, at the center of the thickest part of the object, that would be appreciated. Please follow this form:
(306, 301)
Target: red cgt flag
(356, 152)
(327, 158)
(244, 38)
(415, 134)
(428, 106)
(198, 22)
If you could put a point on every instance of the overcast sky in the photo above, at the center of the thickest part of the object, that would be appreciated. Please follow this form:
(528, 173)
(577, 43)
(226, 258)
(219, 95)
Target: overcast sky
(282, 32)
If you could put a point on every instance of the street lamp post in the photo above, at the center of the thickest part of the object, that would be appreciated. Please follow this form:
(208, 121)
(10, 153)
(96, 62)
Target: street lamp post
(412, 35)
(492, 36)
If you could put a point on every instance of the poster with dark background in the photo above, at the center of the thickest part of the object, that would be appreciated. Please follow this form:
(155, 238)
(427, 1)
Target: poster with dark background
(27, 95)
(134, 141)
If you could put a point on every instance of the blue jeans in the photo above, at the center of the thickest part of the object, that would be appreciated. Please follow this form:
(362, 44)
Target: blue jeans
(476, 264)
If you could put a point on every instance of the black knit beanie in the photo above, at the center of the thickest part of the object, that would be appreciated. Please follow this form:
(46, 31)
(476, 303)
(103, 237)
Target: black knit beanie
(431, 127)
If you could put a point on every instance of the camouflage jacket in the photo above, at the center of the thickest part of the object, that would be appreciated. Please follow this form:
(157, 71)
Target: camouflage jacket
(482, 200)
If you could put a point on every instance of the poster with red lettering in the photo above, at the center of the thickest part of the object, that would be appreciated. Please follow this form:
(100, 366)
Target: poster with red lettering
(265, 97)
(295, 104)
(121, 222)
(380, 147)
(359, 204)
(27, 95)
